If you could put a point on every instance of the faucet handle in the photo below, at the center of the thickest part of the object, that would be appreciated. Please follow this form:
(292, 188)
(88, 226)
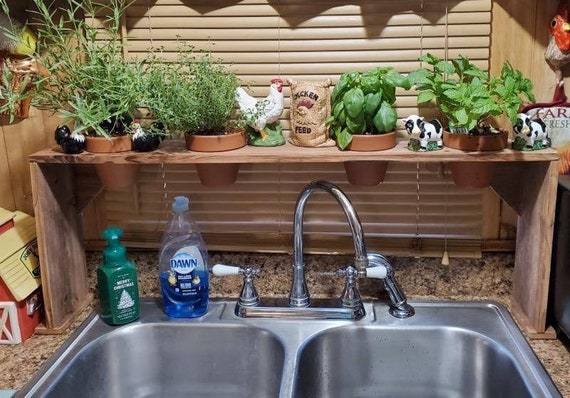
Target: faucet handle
(248, 296)
(350, 295)
(225, 270)
(379, 272)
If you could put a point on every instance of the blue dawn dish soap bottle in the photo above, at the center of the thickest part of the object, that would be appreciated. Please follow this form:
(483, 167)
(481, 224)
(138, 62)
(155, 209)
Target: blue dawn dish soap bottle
(183, 261)
(117, 282)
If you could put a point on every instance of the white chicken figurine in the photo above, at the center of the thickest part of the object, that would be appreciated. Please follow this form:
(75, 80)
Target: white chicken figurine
(262, 116)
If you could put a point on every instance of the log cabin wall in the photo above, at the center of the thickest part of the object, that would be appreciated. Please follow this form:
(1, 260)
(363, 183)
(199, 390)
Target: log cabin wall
(518, 34)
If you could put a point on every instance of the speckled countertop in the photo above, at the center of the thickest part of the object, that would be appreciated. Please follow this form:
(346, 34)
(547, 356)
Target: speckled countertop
(488, 278)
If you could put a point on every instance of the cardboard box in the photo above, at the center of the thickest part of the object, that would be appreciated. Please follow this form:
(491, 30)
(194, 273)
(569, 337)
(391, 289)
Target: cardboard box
(20, 294)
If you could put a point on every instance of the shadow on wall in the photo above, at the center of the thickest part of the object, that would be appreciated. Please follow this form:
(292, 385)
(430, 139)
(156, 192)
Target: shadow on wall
(374, 14)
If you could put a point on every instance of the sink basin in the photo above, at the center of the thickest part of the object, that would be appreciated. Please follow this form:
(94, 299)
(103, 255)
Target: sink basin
(167, 359)
(440, 362)
(447, 349)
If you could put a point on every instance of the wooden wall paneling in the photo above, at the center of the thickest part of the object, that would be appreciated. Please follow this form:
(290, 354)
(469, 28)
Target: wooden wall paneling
(22, 139)
(519, 34)
(6, 190)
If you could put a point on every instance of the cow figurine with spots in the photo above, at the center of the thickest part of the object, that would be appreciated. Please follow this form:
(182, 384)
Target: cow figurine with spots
(530, 133)
(424, 132)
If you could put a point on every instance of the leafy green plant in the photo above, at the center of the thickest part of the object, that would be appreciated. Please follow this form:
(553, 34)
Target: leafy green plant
(17, 75)
(13, 93)
(467, 95)
(195, 94)
(89, 82)
(362, 103)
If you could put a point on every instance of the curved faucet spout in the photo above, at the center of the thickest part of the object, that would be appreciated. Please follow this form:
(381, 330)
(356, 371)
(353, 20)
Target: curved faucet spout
(299, 295)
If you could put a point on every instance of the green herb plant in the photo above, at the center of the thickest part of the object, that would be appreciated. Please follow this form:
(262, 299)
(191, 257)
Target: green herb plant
(16, 81)
(363, 103)
(195, 94)
(467, 95)
(12, 93)
(90, 83)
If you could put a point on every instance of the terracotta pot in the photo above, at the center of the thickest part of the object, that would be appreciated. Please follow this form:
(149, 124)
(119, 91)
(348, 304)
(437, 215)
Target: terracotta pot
(117, 176)
(368, 173)
(122, 143)
(474, 174)
(466, 142)
(216, 174)
(365, 173)
(113, 176)
(379, 142)
(215, 143)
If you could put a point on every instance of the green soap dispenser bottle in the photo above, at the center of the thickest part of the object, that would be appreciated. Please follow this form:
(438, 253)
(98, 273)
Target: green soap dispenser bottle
(117, 282)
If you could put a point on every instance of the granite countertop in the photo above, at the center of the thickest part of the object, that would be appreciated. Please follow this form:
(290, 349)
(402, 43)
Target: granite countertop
(488, 278)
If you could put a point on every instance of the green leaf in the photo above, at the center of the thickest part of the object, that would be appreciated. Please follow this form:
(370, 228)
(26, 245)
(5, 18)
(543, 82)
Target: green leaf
(343, 139)
(338, 109)
(426, 96)
(461, 117)
(419, 76)
(354, 102)
(356, 125)
(386, 118)
(370, 83)
(444, 67)
(339, 89)
(371, 105)
(397, 80)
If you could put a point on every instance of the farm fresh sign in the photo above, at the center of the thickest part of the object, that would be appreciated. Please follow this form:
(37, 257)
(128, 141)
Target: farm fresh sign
(557, 120)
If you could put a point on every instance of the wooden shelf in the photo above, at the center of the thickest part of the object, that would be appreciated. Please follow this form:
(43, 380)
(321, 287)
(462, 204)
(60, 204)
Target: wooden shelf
(525, 180)
(173, 151)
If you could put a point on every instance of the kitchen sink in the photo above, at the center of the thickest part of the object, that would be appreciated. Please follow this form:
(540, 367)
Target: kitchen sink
(447, 349)
(164, 358)
(416, 362)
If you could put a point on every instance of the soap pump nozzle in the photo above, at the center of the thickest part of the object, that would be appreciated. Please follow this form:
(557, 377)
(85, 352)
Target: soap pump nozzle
(114, 251)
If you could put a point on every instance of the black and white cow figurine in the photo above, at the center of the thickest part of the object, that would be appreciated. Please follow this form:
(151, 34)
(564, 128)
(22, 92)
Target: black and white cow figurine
(531, 130)
(424, 131)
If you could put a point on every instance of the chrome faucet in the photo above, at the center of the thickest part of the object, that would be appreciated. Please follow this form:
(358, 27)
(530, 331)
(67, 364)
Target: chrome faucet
(372, 265)
(299, 295)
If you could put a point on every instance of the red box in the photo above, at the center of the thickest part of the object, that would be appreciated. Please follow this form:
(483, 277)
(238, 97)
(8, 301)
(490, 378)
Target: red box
(16, 325)
(20, 283)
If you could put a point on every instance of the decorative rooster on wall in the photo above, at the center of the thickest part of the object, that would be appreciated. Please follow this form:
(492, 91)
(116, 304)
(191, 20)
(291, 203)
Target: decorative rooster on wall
(262, 116)
(557, 55)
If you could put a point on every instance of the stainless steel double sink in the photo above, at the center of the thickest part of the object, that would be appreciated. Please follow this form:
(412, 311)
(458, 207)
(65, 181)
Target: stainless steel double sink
(448, 349)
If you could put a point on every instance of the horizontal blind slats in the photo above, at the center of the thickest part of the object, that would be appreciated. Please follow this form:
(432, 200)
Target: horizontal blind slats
(308, 41)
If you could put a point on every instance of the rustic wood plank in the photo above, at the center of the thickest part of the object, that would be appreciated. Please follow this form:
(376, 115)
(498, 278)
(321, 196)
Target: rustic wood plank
(174, 152)
(531, 276)
(62, 257)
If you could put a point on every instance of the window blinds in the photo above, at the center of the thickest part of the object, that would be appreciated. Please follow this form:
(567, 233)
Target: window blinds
(414, 211)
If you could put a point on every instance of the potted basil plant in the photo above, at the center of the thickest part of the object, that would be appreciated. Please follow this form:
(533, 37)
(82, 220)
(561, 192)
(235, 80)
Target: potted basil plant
(364, 118)
(470, 98)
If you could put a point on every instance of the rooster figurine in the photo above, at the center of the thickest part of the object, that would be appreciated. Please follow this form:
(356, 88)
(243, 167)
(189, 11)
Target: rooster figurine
(557, 54)
(262, 116)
